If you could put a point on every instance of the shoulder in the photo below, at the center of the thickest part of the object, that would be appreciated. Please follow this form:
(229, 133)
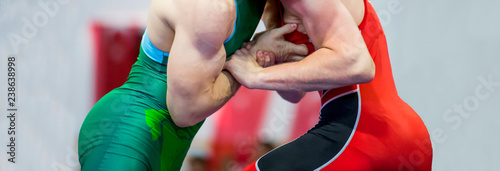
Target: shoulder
(202, 24)
(194, 12)
(202, 13)
(207, 20)
(306, 8)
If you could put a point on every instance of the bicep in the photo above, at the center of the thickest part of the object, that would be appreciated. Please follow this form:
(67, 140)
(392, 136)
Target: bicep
(197, 55)
(192, 62)
(341, 47)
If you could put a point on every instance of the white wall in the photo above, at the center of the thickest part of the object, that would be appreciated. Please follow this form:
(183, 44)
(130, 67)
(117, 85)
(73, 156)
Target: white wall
(439, 51)
(55, 76)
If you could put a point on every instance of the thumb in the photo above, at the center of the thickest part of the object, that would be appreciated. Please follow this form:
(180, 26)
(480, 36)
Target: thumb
(299, 49)
(288, 28)
(295, 58)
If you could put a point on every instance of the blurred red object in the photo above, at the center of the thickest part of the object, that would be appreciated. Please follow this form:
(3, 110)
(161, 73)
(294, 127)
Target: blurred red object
(238, 126)
(115, 51)
(238, 130)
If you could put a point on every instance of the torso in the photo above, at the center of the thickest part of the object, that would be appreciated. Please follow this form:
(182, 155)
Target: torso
(388, 130)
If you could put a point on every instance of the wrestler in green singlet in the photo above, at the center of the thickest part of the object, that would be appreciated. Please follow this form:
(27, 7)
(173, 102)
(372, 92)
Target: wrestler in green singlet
(130, 128)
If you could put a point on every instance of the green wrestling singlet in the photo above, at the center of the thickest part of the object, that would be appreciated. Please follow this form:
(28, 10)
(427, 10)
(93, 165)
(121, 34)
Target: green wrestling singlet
(130, 127)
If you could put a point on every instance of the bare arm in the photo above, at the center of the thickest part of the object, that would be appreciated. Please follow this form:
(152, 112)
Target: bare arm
(271, 15)
(197, 86)
(342, 57)
(271, 18)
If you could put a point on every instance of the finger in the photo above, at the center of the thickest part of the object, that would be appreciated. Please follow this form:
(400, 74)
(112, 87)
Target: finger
(279, 32)
(260, 54)
(300, 49)
(272, 58)
(261, 60)
(295, 58)
(260, 57)
(247, 45)
(295, 49)
(245, 51)
(240, 52)
(267, 59)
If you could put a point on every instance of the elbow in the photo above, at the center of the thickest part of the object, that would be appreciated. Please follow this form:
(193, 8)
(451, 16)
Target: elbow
(296, 98)
(183, 119)
(366, 73)
(292, 97)
(183, 114)
(358, 66)
(294, 101)
(362, 69)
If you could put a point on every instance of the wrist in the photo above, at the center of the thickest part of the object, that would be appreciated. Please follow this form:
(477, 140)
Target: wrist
(255, 80)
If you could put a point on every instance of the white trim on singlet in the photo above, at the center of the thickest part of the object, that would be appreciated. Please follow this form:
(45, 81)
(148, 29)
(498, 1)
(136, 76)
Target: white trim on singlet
(323, 94)
(350, 137)
(347, 142)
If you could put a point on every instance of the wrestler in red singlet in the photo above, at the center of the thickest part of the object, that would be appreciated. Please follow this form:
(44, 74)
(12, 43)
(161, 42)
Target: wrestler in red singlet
(361, 127)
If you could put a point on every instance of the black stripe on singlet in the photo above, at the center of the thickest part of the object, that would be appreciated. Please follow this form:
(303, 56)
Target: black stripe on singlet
(321, 144)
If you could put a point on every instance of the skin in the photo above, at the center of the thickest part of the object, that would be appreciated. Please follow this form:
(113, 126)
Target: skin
(197, 84)
(273, 49)
(341, 58)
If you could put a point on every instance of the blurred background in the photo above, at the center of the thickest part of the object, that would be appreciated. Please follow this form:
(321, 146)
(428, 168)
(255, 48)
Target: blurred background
(445, 58)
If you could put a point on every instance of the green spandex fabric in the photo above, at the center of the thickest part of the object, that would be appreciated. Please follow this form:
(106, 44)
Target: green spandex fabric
(130, 127)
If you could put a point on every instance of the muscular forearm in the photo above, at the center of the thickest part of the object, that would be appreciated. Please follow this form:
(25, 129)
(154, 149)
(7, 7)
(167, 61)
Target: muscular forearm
(322, 70)
(190, 108)
(224, 87)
